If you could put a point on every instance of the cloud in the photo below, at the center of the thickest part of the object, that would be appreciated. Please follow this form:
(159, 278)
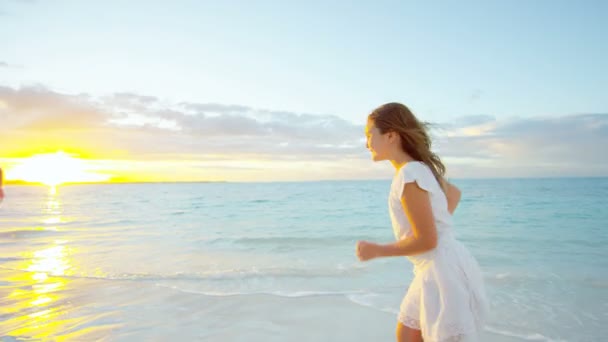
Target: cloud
(37, 108)
(147, 127)
(571, 145)
(137, 127)
(8, 65)
(476, 95)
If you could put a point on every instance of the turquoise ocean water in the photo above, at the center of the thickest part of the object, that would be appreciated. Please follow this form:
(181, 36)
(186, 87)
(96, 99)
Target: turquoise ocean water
(275, 261)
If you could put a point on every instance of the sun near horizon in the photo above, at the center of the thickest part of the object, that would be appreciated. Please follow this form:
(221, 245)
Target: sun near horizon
(58, 167)
(54, 169)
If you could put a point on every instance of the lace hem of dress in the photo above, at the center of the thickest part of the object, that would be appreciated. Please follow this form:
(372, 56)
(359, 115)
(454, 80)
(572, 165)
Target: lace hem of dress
(409, 322)
(456, 338)
(456, 334)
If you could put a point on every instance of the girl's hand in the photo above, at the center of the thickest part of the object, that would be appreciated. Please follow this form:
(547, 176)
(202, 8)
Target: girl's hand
(366, 250)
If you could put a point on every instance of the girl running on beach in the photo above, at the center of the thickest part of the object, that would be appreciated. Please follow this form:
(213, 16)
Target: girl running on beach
(446, 300)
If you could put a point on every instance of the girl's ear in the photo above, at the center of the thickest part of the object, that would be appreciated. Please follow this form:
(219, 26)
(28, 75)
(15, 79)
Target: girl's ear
(392, 136)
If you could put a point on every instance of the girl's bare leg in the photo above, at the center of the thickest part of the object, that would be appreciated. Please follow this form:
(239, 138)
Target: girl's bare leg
(405, 334)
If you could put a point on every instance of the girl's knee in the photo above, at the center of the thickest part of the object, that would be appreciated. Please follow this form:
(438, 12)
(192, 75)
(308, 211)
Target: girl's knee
(406, 334)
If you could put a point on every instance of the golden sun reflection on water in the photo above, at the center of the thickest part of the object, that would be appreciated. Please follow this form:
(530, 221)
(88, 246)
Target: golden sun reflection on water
(36, 302)
(36, 305)
(52, 208)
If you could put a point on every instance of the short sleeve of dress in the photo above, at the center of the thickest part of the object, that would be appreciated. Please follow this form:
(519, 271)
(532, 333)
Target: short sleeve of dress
(420, 174)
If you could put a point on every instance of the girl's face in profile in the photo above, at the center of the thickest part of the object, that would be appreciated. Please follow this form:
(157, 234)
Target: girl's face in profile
(377, 143)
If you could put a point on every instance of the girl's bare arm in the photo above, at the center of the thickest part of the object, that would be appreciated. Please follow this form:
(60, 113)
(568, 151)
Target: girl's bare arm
(453, 195)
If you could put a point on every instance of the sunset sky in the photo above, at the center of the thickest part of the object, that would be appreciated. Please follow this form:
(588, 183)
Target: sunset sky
(274, 91)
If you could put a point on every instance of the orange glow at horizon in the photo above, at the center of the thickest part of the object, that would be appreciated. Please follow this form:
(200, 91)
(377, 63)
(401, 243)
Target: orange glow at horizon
(57, 168)
(54, 169)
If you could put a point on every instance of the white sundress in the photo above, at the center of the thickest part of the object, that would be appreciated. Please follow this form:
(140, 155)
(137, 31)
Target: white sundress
(446, 300)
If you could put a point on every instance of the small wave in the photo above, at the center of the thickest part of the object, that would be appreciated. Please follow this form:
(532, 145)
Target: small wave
(244, 274)
(284, 294)
(528, 337)
(260, 201)
(255, 273)
(364, 299)
(214, 275)
(118, 222)
(288, 240)
(29, 232)
(506, 276)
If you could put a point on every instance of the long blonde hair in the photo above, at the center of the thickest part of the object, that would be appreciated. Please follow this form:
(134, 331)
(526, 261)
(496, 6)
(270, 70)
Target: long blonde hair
(415, 139)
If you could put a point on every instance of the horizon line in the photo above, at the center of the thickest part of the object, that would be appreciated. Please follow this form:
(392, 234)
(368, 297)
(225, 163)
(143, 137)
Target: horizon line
(26, 183)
